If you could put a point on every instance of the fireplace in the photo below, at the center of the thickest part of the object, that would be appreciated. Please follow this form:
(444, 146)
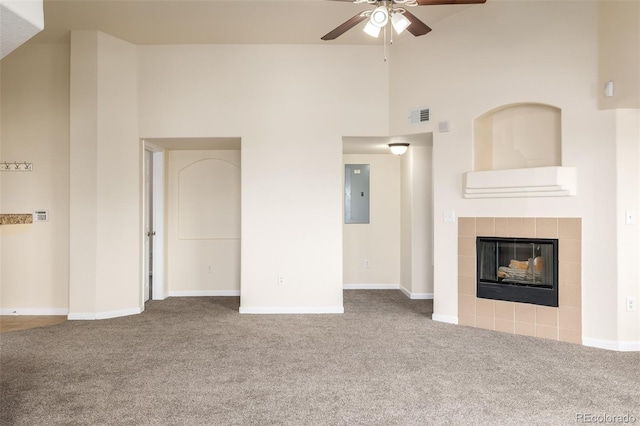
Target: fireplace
(521, 270)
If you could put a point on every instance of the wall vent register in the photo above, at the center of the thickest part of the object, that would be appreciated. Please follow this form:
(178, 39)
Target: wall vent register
(417, 116)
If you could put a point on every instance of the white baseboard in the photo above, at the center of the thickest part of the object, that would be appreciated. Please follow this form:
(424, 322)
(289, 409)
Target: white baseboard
(34, 311)
(612, 345)
(371, 286)
(103, 315)
(292, 310)
(449, 319)
(201, 293)
(416, 296)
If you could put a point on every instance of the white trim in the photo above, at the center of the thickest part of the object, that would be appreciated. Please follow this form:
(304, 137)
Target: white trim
(34, 311)
(416, 296)
(200, 293)
(158, 282)
(371, 286)
(103, 315)
(612, 345)
(449, 319)
(292, 310)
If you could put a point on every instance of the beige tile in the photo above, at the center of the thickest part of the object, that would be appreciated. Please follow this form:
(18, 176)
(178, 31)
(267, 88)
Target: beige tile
(467, 266)
(486, 226)
(569, 273)
(467, 285)
(502, 227)
(468, 320)
(486, 323)
(547, 316)
(570, 318)
(523, 227)
(547, 332)
(570, 296)
(569, 250)
(505, 326)
(570, 228)
(467, 226)
(467, 246)
(466, 305)
(525, 313)
(485, 308)
(505, 310)
(525, 328)
(570, 336)
(547, 227)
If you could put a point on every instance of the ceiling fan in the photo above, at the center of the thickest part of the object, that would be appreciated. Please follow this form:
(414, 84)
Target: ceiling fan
(393, 11)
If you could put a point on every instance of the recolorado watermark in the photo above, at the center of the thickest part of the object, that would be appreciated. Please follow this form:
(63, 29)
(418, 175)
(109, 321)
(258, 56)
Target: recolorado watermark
(604, 418)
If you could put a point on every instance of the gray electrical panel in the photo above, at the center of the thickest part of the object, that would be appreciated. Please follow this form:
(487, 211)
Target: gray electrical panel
(356, 193)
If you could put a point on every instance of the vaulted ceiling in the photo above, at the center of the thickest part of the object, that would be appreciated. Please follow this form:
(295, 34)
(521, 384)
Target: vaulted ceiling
(212, 22)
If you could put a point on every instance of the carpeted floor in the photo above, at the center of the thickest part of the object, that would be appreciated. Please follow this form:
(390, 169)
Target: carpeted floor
(196, 361)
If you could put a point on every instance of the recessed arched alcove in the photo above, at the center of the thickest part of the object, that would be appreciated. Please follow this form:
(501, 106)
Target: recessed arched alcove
(517, 152)
(518, 136)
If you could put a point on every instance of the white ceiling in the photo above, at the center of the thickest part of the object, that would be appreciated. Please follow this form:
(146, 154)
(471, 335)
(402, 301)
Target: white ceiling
(213, 22)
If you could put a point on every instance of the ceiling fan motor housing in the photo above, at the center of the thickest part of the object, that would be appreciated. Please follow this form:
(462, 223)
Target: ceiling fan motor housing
(380, 16)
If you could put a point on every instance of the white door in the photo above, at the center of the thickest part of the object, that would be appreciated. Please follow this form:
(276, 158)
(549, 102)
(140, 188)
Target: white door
(148, 223)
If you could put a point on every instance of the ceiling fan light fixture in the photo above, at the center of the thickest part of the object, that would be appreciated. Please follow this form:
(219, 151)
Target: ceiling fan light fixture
(372, 30)
(398, 148)
(399, 22)
(379, 16)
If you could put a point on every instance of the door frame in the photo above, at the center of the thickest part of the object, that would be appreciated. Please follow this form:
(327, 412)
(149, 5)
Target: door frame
(158, 285)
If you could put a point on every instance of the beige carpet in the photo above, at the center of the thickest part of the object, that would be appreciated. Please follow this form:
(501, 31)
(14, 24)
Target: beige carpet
(196, 361)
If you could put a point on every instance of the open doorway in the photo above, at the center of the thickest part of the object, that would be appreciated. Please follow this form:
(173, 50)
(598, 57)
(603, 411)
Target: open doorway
(199, 191)
(394, 249)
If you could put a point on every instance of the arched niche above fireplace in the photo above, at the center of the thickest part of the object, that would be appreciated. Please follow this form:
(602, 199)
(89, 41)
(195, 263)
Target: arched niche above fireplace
(518, 136)
(517, 152)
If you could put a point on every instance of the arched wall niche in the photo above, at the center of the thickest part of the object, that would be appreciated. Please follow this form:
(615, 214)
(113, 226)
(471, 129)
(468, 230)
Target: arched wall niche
(518, 136)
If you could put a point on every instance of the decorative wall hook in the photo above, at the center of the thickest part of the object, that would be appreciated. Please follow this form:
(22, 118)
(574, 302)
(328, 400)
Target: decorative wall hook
(14, 166)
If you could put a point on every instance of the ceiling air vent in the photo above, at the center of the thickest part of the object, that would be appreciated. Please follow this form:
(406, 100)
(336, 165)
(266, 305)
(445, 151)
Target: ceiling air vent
(421, 115)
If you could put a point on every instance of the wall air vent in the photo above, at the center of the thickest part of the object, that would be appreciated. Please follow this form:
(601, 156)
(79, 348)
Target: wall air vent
(418, 116)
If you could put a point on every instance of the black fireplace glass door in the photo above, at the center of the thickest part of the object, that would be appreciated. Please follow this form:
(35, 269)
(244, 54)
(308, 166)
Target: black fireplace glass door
(516, 268)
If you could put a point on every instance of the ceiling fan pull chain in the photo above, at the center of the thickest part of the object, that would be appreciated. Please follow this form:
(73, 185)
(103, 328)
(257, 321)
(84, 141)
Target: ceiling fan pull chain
(384, 49)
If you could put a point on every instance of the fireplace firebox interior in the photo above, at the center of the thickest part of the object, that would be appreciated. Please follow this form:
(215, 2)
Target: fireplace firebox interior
(518, 270)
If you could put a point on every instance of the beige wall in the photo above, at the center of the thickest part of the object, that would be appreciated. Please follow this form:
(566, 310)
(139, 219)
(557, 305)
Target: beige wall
(496, 55)
(35, 128)
(619, 53)
(416, 224)
(379, 240)
(291, 105)
(105, 179)
(203, 238)
(628, 235)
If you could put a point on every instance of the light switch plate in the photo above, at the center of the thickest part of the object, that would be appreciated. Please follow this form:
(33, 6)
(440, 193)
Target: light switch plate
(449, 216)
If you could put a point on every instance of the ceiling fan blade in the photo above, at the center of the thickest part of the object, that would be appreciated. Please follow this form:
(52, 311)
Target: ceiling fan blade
(437, 2)
(344, 27)
(417, 27)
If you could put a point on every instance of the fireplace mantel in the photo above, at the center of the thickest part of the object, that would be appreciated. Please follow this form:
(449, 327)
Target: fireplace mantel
(557, 181)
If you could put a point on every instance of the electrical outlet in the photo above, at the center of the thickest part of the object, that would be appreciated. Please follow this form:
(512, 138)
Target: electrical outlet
(280, 279)
(210, 269)
(632, 305)
(366, 263)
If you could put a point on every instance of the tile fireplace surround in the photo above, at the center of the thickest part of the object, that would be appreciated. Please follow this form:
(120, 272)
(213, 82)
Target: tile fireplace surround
(562, 323)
